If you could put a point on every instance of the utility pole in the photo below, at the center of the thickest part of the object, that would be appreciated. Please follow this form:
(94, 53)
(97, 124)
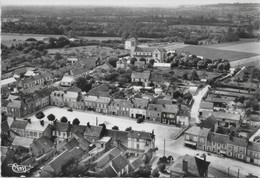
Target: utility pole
(96, 121)
(238, 173)
(164, 147)
(228, 171)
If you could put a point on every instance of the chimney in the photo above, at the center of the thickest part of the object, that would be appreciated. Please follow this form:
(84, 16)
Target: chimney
(184, 165)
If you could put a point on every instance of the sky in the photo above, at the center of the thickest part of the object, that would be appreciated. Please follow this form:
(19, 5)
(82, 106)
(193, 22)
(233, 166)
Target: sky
(127, 3)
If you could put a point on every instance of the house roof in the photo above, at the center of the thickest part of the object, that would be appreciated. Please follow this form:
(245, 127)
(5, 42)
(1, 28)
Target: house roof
(196, 166)
(40, 143)
(141, 75)
(97, 99)
(71, 144)
(79, 70)
(140, 135)
(119, 163)
(195, 130)
(101, 88)
(93, 131)
(218, 138)
(238, 141)
(77, 128)
(170, 108)
(4, 126)
(206, 105)
(74, 89)
(66, 78)
(208, 123)
(144, 49)
(22, 141)
(46, 74)
(14, 104)
(253, 146)
(8, 81)
(19, 124)
(122, 102)
(61, 127)
(137, 162)
(155, 107)
(4, 103)
(140, 103)
(156, 77)
(109, 172)
(225, 115)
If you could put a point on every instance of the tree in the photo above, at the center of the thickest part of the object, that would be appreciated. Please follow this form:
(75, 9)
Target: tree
(40, 115)
(57, 56)
(133, 60)
(76, 121)
(51, 117)
(128, 129)
(151, 62)
(84, 84)
(115, 127)
(112, 61)
(194, 75)
(64, 119)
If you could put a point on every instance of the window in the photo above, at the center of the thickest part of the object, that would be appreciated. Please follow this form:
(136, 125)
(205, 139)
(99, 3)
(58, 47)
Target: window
(31, 134)
(35, 134)
(218, 144)
(187, 137)
(195, 139)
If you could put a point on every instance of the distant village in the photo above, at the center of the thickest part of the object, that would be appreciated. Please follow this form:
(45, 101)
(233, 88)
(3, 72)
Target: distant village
(225, 124)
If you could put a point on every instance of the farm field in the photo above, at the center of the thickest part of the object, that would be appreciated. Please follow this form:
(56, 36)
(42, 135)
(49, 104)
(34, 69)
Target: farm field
(250, 47)
(212, 53)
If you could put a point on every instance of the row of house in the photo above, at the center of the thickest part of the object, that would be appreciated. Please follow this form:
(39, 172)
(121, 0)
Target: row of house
(23, 103)
(227, 145)
(164, 112)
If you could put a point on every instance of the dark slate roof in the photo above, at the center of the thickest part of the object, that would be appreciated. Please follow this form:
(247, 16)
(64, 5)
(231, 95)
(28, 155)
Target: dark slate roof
(141, 75)
(4, 126)
(74, 89)
(4, 103)
(218, 138)
(140, 135)
(196, 166)
(137, 162)
(155, 107)
(208, 123)
(238, 141)
(122, 102)
(19, 124)
(156, 77)
(119, 163)
(101, 88)
(40, 143)
(254, 146)
(195, 130)
(108, 172)
(61, 127)
(93, 131)
(140, 103)
(71, 144)
(76, 128)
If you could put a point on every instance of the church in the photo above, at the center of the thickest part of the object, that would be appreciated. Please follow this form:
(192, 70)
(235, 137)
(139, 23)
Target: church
(148, 53)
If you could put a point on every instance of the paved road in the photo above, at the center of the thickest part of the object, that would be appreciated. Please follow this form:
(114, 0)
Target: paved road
(195, 107)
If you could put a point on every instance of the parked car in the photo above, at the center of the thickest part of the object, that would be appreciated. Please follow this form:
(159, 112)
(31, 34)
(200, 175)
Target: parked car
(140, 120)
(70, 110)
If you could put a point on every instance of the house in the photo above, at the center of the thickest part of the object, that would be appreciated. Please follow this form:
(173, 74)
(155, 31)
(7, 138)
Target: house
(22, 142)
(189, 166)
(41, 146)
(5, 129)
(209, 123)
(57, 98)
(204, 105)
(236, 147)
(4, 104)
(131, 43)
(94, 133)
(120, 165)
(36, 129)
(102, 161)
(140, 142)
(139, 106)
(83, 143)
(104, 67)
(154, 112)
(67, 81)
(223, 117)
(54, 167)
(121, 63)
(101, 90)
(61, 131)
(169, 113)
(47, 76)
(18, 126)
(158, 54)
(253, 153)
(8, 82)
(120, 107)
(72, 60)
(183, 118)
(30, 82)
(156, 80)
(16, 108)
(99, 104)
(79, 72)
(196, 137)
(217, 143)
(140, 77)
(72, 97)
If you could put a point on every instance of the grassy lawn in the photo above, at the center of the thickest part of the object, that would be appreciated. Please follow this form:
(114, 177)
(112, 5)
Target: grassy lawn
(212, 53)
